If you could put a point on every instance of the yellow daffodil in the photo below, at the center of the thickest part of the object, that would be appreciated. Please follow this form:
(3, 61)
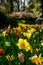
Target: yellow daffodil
(8, 57)
(4, 33)
(28, 31)
(24, 33)
(18, 28)
(40, 59)
(23, 44)
(9, 27)
(33, 30)
(27, 45)
(20, 40)
(37, 49)
(28, 35)
(42, 44)
(27, 48)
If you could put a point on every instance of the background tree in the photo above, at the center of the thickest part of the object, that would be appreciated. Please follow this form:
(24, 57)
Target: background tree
(18, 5)
(42, 7)
(35, 8)
(11, 5)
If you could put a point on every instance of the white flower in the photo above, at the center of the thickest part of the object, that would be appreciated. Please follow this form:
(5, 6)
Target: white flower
(7, 43)
(35, 56)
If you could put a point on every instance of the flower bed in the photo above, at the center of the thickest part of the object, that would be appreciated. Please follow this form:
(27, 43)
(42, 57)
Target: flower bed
(22, 45)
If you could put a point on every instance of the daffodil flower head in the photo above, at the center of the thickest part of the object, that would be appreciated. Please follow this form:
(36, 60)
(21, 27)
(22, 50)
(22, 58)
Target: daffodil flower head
(4, 33)
(23, 44)
(41, 43)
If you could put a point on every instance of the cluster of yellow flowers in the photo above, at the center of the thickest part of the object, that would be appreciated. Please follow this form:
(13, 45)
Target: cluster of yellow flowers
(23, 44)
(29, 32)
(5, 31)
(17, 29)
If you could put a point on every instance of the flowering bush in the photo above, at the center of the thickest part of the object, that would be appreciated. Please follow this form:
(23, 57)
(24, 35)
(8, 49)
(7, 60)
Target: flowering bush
(22, 45)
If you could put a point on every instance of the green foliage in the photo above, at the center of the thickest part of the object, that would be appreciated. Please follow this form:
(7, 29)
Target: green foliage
(35, 8)
(3, 9)
(22, 21)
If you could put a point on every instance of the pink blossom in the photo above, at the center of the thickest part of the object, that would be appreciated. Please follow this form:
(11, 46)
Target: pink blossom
(21, 57)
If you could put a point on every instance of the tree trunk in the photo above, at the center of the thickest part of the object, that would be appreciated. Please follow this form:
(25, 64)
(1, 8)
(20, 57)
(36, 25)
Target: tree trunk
(18, 5)
(1, 0)
(24, 5)
(11, 5)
